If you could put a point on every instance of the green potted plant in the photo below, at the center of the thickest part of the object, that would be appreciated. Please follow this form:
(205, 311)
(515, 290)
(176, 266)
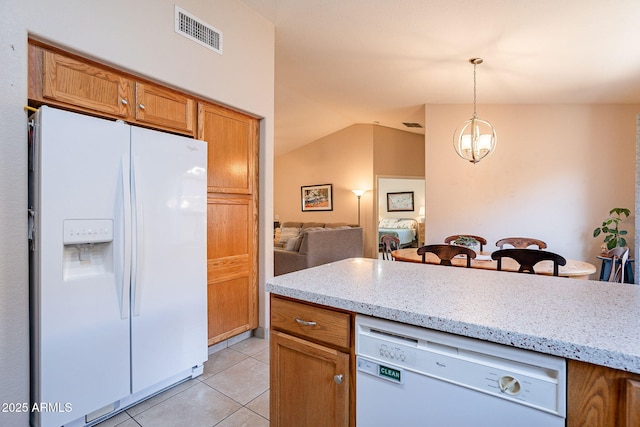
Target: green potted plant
(466, 241)
(611, 229)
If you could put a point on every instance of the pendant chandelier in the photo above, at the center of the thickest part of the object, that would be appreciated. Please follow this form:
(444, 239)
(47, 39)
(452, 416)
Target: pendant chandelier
(477, 138)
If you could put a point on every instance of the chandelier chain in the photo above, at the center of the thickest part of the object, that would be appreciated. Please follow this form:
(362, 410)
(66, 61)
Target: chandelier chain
(474, 90)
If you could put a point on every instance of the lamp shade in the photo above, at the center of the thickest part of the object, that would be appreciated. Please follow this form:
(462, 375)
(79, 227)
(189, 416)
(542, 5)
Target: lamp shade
(358, 193)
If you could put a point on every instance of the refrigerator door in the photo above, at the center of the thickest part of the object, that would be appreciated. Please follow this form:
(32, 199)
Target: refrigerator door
(169, 273)
(80, 324)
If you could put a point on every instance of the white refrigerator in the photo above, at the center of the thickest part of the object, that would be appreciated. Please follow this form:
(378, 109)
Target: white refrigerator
(118, 280)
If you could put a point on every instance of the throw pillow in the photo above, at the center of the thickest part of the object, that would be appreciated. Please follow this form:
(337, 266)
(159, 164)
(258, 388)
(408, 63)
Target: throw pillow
(406, 223)
(293, 244)
(287, 233)
(388, 223)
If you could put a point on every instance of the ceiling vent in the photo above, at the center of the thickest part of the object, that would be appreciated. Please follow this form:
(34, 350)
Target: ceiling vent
(412, 125)
(198, 30)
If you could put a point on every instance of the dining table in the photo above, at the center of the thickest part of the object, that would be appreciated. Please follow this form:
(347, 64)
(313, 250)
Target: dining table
(574, 269)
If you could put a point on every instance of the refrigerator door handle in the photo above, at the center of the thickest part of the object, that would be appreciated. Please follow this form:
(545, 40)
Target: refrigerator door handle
(138, 237)
(126, 250)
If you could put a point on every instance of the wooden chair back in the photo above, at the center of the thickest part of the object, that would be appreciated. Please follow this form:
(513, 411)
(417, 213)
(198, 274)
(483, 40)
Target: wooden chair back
(446, 253)
(521, 242)
(389, 243)
(527, 258)
(480, 240)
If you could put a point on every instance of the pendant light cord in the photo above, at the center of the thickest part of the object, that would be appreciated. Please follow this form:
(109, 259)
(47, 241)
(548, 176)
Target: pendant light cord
(474, 91)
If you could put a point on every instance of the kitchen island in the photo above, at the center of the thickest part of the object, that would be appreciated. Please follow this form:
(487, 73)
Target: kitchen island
(580, 320)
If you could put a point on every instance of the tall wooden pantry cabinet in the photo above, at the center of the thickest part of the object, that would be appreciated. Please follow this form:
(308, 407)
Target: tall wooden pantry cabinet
(75, 83)
(232, 209)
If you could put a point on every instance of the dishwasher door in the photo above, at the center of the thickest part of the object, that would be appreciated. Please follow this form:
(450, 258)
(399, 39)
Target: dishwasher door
(409, 376)
(422, 401)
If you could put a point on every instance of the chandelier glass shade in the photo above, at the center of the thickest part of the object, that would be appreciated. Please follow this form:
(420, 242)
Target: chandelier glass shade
(476, 139)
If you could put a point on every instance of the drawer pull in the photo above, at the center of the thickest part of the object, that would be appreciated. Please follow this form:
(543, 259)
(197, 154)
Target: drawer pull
(305, 323)
(338, 378)
(124, 101)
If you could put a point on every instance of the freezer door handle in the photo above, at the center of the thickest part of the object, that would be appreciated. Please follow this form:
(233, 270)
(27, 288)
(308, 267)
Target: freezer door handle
(138, 236)
(126, 250)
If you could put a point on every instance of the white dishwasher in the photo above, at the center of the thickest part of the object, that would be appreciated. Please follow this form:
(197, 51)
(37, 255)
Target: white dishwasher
(411, 376)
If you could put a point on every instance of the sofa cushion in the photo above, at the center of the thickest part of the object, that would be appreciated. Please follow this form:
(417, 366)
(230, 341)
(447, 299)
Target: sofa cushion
(306, 225)
(337, 225)
(291, 224)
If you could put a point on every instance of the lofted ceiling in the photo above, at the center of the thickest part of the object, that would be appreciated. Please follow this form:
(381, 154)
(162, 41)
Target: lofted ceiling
(340, 62)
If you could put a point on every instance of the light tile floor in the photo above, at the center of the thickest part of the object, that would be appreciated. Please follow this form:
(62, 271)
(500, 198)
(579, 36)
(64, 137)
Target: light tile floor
(233, 391)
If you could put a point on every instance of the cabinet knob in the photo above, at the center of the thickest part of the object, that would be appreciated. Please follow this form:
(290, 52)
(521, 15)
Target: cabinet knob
(124, 101)
(338, 378)
(141, 106)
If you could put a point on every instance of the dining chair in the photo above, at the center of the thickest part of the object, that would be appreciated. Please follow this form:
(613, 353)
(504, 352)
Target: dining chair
(446, 253)
(389, 243)
(527, 258)
(480, 240)
(521, 242)
(619, 257)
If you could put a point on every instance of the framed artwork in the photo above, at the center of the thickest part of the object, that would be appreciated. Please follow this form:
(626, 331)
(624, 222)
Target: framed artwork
(317, 197)
(400, 202)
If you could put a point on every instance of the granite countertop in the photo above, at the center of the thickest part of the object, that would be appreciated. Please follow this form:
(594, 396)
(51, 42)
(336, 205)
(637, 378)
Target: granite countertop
(591, 321)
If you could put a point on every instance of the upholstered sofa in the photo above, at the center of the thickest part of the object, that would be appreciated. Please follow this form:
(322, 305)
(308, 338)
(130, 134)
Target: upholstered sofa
(314, 245)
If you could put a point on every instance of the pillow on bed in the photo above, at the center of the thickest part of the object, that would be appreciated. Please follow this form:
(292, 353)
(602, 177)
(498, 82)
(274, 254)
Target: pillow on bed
(406, 223)
(287, 233)
(388, 223)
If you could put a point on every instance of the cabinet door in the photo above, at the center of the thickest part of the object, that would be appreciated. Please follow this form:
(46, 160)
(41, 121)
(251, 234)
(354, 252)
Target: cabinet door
(598, 396)
(164, 108)
(232, 141)
(66, 80)
(309, 384)
(232, 266)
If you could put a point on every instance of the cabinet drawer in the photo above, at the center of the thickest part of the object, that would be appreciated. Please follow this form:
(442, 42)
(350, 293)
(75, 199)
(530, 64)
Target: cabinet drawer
(316, 323)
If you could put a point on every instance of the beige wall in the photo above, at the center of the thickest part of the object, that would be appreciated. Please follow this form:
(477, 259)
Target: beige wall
(556, 172)
(137, 36)
(346, 159)
(397, 153)
(343, 159)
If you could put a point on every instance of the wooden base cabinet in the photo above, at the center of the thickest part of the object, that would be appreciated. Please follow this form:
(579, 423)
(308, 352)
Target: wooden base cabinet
(601, 397)
(310, 385)
(310, 366)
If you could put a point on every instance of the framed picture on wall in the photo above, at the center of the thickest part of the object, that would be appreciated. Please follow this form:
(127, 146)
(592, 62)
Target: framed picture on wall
(400, 202)
(317, 197)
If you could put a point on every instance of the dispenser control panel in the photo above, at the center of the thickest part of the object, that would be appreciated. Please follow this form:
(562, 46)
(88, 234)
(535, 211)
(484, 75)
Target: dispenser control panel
(79, 231)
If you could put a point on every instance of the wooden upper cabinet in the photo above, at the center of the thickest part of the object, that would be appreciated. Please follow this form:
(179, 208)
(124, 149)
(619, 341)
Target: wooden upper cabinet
(231, 138)
(72, 82)
(85, 85)
(162, 107)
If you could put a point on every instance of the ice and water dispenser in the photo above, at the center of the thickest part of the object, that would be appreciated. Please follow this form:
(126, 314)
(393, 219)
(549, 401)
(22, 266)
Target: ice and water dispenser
(87, 247)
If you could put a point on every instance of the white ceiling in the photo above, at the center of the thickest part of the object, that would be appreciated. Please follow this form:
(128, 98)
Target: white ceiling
(340, 62)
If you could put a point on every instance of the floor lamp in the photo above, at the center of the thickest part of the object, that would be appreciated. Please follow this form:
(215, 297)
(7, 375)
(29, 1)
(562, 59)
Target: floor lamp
(358, 193)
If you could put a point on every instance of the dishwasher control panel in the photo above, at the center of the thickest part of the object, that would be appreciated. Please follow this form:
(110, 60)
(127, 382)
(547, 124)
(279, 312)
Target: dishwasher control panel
(386, 349)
